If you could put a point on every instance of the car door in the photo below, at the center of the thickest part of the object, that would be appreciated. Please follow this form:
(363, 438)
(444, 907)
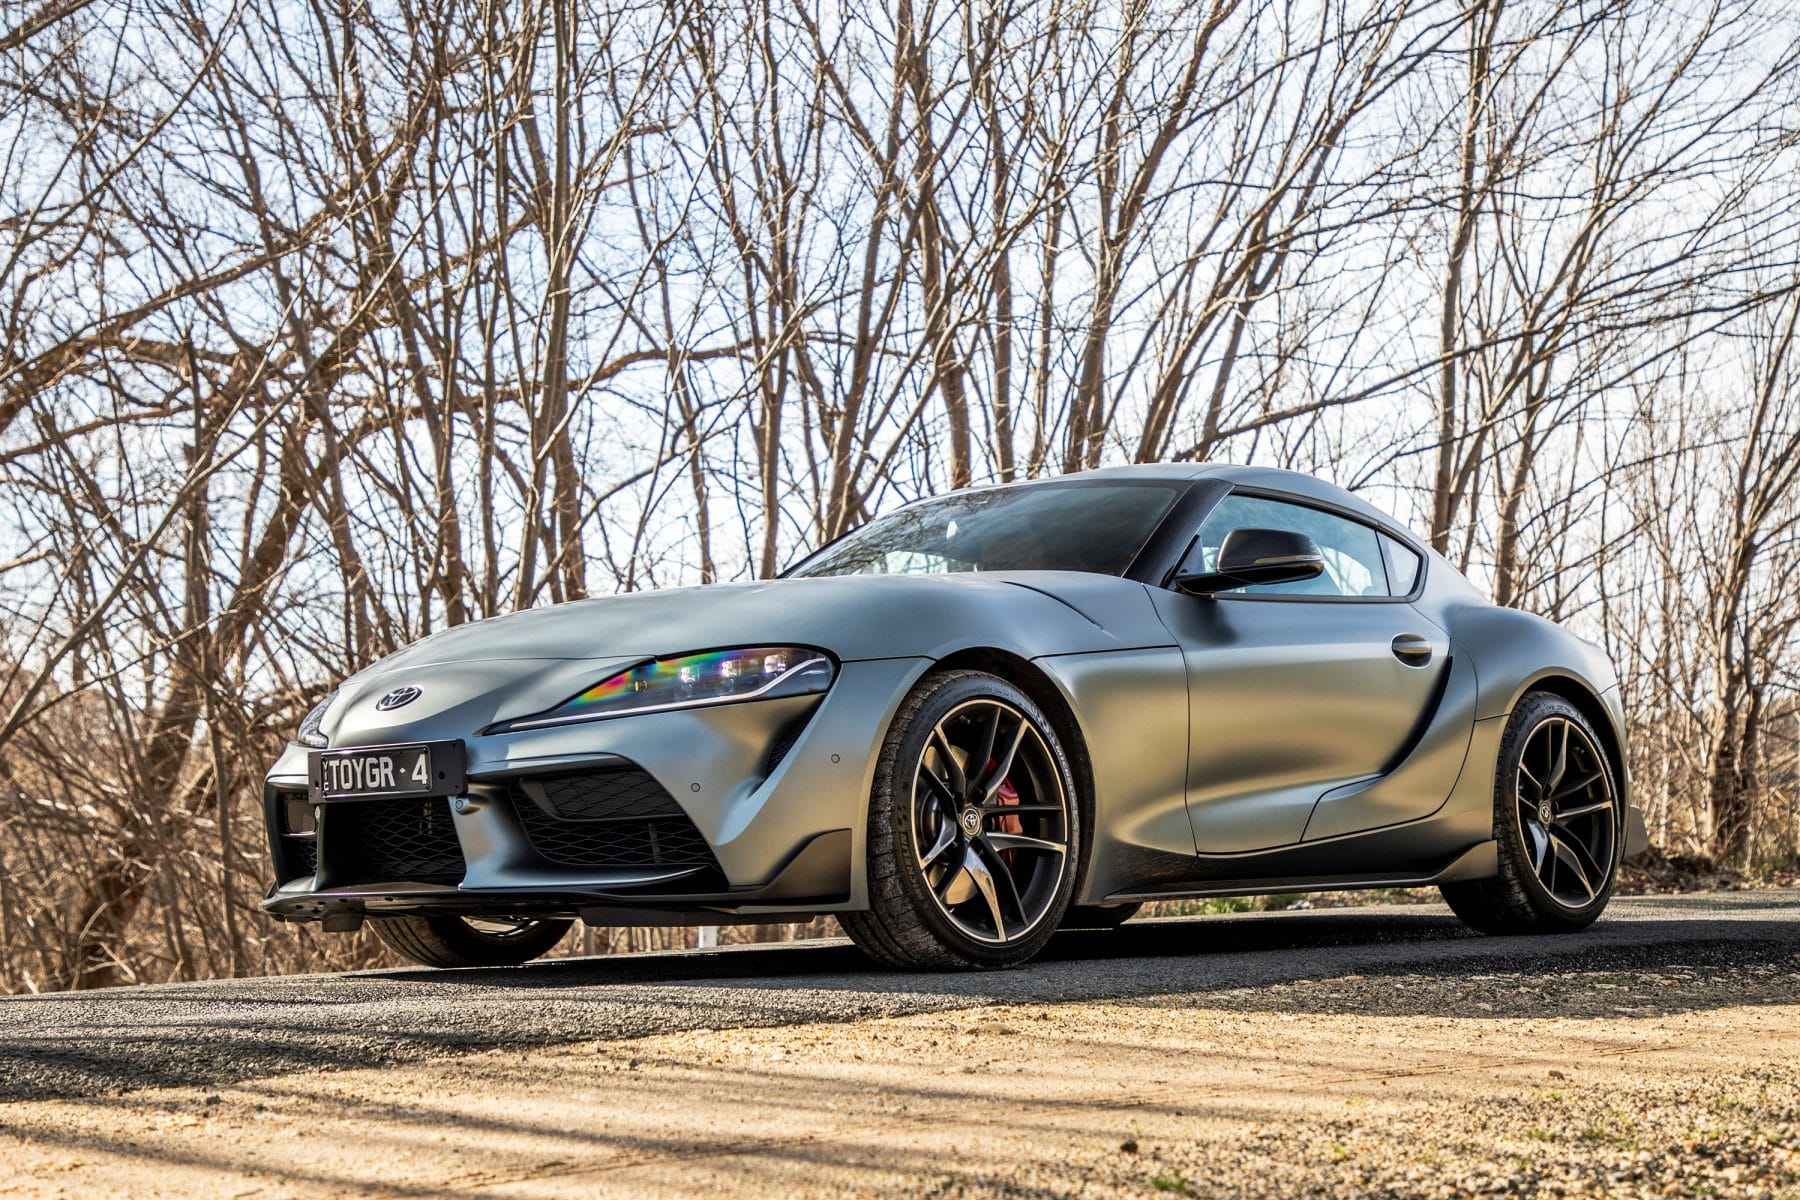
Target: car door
(1297, 689)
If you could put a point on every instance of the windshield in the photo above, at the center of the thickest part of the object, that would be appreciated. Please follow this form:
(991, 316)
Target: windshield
(1093, 527)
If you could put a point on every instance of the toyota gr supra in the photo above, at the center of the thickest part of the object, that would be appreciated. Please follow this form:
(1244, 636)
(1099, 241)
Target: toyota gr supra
(972, 722)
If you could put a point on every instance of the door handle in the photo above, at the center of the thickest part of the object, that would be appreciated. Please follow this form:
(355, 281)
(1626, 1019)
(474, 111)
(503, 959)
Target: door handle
(1412, 649)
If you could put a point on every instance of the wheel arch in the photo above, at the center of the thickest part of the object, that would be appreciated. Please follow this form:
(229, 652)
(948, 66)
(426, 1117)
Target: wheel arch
(1031, 679)
(1589, 704)
(1515, 653)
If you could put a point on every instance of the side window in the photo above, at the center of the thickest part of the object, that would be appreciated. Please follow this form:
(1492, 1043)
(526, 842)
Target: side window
(1352, 550)
(1403, 565)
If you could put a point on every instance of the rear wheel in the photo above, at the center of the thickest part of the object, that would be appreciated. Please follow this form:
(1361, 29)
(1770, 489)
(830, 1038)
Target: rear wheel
(973, 830)
(1557, 820)
(451, 941)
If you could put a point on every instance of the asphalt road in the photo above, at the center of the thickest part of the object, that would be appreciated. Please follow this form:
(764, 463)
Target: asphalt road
(213, 1033)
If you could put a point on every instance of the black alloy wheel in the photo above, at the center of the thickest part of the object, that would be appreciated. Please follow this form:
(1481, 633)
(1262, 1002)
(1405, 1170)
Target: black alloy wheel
(990, 821)
(1567, 813)
(1557, 821)
(974, 829)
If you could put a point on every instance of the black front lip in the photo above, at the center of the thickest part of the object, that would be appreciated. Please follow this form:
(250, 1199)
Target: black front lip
(815, 875)
(403, 896)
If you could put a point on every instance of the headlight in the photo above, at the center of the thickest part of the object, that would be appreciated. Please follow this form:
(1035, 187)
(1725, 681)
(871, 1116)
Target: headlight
(717, 677)
(310, 732)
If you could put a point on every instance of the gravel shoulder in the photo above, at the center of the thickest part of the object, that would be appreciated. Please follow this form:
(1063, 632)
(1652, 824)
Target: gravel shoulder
(1658, 1057)
(1351, 1095)
(208, 1034)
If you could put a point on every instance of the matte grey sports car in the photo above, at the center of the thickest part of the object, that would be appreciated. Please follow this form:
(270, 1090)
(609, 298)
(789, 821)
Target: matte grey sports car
(972, 722)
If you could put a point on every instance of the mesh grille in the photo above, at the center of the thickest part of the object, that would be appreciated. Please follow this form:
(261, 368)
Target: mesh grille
(303, 855)
(629, 793)
(403, 840)
(784, 741)
(670, 841)
(614, 818)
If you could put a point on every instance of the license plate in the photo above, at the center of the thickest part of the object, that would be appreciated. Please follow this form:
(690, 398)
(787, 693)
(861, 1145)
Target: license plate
(419, 769)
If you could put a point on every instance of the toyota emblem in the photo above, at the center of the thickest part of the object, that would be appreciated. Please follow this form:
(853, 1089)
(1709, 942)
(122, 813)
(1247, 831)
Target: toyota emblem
(400, 697)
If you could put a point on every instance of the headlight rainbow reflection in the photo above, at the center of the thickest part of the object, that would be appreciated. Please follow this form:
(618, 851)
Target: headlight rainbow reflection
(716, 677)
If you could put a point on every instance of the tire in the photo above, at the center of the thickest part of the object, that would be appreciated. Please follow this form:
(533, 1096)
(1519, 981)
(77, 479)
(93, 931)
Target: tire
(955, 880)
(450, 941)
(1556, 875)
(1099, 916)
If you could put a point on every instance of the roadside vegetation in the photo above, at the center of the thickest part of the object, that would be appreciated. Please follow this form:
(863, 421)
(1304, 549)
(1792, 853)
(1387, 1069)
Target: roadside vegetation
(324, 327)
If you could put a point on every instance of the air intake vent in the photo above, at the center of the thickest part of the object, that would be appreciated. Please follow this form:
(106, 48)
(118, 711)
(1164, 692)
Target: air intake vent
(399, 840)
(299, 835)
(620, 817)
(668, 842)
(784, 742)
(616, 794)
(303, 855)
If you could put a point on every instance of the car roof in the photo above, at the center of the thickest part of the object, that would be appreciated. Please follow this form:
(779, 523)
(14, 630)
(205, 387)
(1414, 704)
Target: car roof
(1274, 479)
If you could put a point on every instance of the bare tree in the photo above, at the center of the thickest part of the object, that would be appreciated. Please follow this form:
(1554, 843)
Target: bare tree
(325, 328)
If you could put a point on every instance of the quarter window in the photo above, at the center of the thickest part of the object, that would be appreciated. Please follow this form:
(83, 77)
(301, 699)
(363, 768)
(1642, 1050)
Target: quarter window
(1403, 565)
(1352, 550)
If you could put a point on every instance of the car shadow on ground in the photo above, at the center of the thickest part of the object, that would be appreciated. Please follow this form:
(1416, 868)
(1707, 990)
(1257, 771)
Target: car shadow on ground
(1167, 938)
(1260, 962)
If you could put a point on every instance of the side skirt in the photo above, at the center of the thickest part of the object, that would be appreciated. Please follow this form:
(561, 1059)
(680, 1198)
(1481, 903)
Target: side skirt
(1478, 862)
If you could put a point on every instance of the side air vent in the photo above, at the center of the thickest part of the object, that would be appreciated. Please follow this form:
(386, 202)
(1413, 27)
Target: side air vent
(784, 742)
(786, 739)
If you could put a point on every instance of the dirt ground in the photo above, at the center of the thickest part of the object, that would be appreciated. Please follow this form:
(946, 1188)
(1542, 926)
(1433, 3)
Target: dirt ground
(1585, 1083)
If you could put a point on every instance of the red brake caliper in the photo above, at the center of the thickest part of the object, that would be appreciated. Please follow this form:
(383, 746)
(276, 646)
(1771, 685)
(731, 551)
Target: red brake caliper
(1008, 794)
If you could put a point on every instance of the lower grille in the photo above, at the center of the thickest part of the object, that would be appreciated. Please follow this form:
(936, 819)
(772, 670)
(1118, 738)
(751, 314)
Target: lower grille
(622, 793)
(613, 818)
(400, 840)
(667, 842)
(303, 853)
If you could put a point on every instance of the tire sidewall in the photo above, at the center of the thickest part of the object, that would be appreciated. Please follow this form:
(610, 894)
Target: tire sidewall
(902, 752)
(447, 940)
(538, 937)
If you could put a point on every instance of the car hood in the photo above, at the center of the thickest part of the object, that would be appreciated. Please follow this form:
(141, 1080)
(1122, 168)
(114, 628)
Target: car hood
(865, 616)
(473, 675)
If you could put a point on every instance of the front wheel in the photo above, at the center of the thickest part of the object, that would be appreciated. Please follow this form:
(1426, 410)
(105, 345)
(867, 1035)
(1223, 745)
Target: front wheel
(974, 831)
(449, 941)
(1557, 820)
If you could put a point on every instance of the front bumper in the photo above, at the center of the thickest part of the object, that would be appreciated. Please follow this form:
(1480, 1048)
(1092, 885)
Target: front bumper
(768, 800)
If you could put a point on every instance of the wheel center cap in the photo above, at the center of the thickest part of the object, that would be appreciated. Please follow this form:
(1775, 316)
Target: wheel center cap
(1544, 813)
(971, 821)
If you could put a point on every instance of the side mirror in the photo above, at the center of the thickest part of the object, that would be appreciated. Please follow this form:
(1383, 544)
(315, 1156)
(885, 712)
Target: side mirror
(1252, 556)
